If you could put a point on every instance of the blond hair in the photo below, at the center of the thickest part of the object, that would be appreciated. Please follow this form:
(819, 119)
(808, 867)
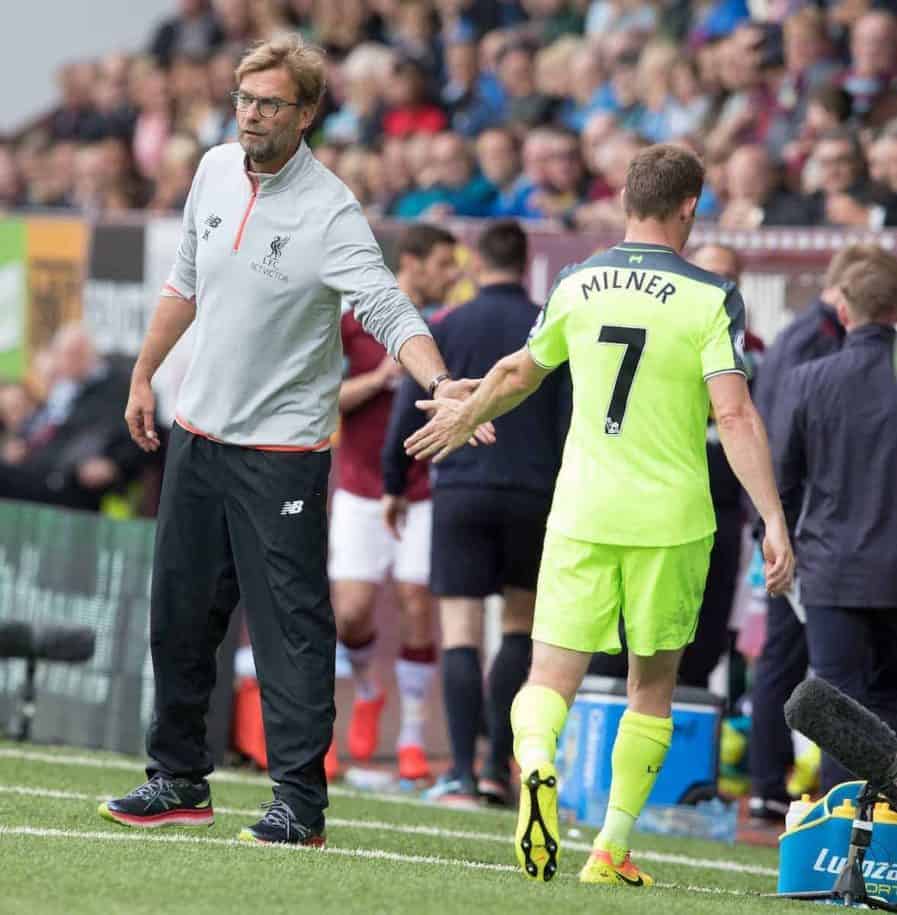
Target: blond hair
(304, 63)
(847, 257)
(870, 287)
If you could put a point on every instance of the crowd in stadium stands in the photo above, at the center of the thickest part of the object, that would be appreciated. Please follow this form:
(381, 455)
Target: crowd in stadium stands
(522, 108)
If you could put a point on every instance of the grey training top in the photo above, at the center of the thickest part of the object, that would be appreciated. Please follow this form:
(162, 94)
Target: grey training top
(268, 259)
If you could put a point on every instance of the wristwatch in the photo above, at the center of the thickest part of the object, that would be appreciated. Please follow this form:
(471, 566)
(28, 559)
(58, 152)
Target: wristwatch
(431, 387)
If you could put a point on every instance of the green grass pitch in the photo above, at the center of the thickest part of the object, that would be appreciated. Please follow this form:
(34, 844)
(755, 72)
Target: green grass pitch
(57, 857)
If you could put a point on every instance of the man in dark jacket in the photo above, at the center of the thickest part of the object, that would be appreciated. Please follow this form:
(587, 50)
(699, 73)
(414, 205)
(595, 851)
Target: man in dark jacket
(194, 32)
(77, 446)
(835, 453)
(489, 511)
(816, 332)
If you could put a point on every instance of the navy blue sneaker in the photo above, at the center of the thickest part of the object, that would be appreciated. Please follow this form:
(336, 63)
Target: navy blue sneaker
(162, 801)
(279, 825)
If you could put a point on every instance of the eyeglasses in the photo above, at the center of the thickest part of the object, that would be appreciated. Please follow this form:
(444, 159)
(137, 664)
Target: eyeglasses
(267, 107)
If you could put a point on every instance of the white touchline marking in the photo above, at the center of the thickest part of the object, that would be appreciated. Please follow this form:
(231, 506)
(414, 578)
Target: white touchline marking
(371, 853)
(433, 831)
(226, 776)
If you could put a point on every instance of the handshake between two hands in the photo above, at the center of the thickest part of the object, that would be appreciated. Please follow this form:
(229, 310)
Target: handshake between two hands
(451, 424)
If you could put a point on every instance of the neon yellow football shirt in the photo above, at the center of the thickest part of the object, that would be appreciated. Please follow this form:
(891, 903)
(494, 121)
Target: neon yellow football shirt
(642, 329)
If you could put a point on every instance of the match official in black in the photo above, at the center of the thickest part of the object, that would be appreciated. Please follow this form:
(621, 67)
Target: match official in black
(835, 450)
(490, 506)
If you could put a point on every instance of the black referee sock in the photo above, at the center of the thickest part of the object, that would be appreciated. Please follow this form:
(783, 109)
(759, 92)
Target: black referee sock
(462, 690)
(508, 674)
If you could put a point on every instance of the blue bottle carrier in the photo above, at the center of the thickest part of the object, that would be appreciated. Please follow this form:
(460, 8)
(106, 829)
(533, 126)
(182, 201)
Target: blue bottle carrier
(688, 776)
(813, 852)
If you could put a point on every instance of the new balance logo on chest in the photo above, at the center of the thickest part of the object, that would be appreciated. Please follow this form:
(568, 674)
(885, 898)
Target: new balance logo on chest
(292, 508)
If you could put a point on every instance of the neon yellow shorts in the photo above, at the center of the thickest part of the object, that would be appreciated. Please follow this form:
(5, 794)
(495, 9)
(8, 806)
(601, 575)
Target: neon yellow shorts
(584, 586)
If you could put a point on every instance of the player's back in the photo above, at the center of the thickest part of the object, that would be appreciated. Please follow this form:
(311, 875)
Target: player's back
(643, 329)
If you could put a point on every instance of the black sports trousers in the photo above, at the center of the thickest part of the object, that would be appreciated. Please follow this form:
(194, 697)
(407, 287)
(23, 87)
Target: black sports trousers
(237, 523)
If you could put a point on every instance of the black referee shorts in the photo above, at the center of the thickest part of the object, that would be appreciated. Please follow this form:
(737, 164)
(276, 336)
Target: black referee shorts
(485, 540)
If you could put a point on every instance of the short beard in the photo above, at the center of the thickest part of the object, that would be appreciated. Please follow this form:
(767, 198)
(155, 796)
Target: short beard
(259, 151)
(265, 150)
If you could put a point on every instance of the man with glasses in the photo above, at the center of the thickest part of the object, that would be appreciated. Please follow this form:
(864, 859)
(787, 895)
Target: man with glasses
(272, 242)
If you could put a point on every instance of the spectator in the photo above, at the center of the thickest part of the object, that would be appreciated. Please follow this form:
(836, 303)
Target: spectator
(269, 19)
(836, 450)
(469, 111)
(620, 95)
(755, 196)
(524, 106)
(53, 178)
(339, 25)
(10, 186)
(498, 158)
(873, 38)
(489, 511)
(688, 105)
(179, 160)
(550, 20)
(813, 334)
(654, 70)
(91, 181)
(17, 407)
(218, 123)
(363, 75)
(585, 76)
(76, 118)
(828, 108)
(195, 30)
(235, 24)
(606, 16)
(116, 114)
(718, 19)
(882, 156)
(610, 161)
(456, 188)
(563, 189)
(76, 448)
(553, 69)
(352, 169)
(408, 110)
(412, 34)
(845, 195)
(808, 66)
(748, 75)
(396, 176)
(154, 122)
(516, 201)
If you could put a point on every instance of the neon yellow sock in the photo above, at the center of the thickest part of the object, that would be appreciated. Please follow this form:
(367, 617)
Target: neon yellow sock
(639, 751)
(537, 717)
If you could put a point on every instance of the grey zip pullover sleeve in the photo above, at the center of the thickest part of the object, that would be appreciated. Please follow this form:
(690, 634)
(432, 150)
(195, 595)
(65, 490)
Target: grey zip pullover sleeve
(269, 258)
(353, 266)
(182, 280)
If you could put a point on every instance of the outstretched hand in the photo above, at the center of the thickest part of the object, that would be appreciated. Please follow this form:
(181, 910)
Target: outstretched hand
(449, 429)
(462, 389)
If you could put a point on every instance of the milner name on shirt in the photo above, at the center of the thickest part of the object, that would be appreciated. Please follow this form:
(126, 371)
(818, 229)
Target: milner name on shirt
(636, 280)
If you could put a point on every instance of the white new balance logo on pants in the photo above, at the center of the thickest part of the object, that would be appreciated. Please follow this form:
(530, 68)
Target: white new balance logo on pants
(292, 508)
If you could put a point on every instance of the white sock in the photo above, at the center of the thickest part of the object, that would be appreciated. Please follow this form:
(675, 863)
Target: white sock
(414, 679)
(361, 659)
